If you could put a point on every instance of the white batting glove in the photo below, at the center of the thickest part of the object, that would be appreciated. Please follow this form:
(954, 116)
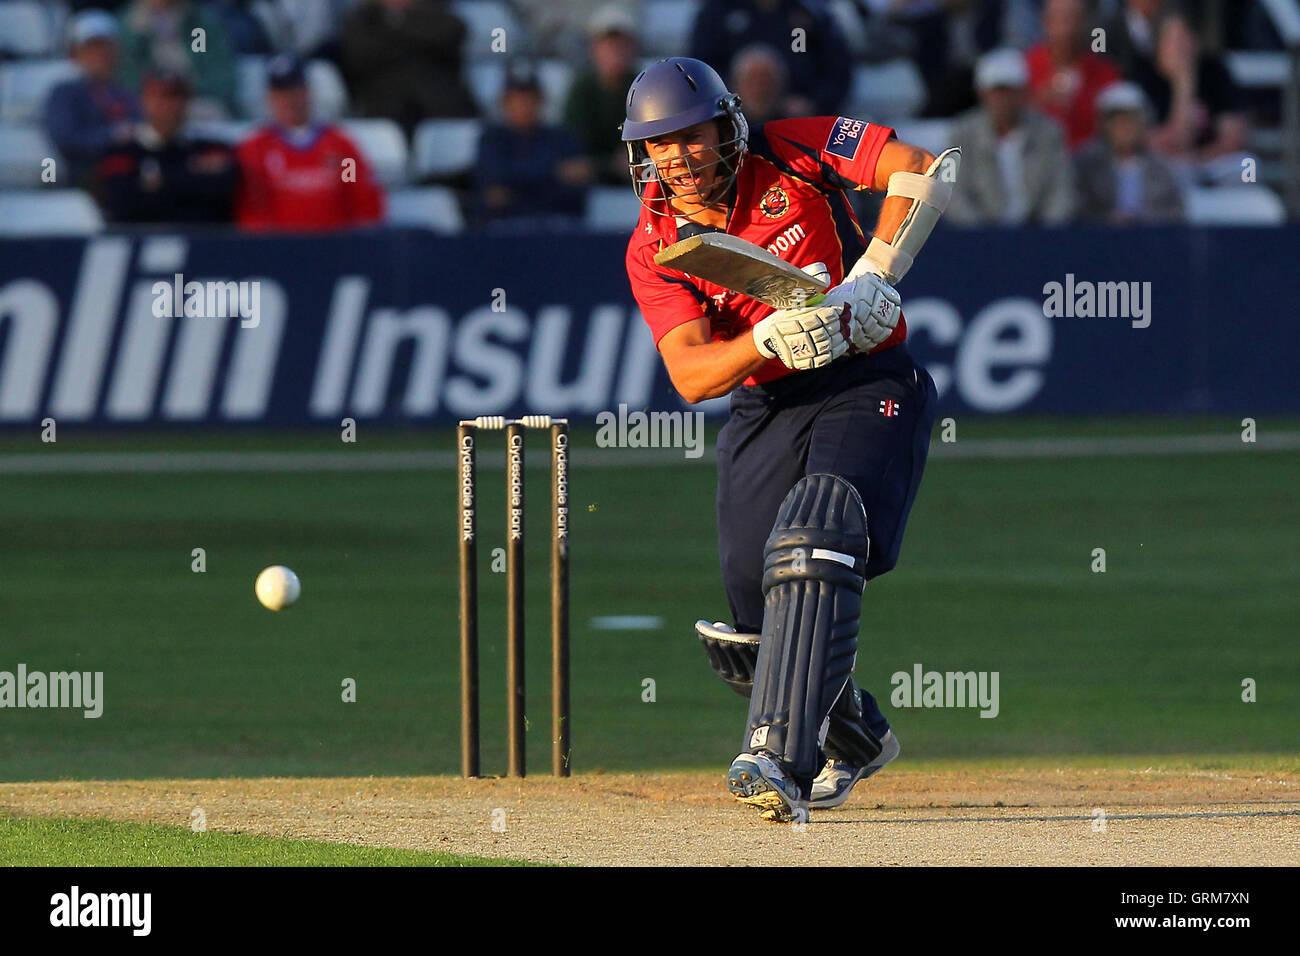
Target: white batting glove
(803, 338)
(876, 307)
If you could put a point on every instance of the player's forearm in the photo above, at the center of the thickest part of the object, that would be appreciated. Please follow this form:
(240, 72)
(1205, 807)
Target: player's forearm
(897, 157)
(712, 369)
(892, 213)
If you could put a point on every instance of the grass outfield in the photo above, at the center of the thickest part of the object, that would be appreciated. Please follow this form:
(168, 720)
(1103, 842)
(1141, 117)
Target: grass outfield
(1200, 593)
(36, 842)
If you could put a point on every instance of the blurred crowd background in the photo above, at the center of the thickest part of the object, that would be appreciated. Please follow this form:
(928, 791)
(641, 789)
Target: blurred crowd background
(502, 115)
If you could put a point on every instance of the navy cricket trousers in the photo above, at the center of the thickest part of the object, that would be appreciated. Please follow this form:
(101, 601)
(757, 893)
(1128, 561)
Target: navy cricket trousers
(865, 418)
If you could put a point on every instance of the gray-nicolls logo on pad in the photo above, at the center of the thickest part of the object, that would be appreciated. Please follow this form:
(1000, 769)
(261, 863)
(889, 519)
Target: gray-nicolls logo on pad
(76, 908)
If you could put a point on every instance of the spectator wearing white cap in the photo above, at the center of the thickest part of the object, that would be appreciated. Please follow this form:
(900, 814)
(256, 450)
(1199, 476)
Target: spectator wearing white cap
(1120, 180)
(1015, 167)
(87, 115)
(595, 105)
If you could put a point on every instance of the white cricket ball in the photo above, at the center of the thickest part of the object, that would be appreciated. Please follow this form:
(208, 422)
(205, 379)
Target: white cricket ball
(277, 587)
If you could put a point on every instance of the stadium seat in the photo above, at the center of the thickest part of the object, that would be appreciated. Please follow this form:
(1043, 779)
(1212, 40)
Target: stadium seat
(666, 26)
(37, 212)
(1258, 68)
(230, 132)
(886, 91)
(26, 29)
(24, 86)
(931, 134)
(250, 86)
(612, 209)
(445, 148)
(431, 207)
(383, 144)
(329, 94)
(22, 151)
(486, 80)
(1245, 205)
(481, 18)
(555, 77)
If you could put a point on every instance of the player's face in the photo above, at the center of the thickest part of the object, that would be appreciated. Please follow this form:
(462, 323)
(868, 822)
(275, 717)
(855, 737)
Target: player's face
(98, 58)
(163, 106)
(290, 106)
(1125, 129)
(689, 161)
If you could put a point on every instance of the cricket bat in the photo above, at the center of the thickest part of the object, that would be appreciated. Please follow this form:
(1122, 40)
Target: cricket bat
(743, 267)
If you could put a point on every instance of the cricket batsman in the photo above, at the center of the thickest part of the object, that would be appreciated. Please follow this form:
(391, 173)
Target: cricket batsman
(821, 457)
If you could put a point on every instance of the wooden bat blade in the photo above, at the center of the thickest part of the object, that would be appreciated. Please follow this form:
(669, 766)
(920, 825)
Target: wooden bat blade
(742, 267)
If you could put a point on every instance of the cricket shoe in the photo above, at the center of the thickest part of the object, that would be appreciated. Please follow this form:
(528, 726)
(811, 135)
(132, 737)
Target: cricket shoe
(758, 780)
(832, 786)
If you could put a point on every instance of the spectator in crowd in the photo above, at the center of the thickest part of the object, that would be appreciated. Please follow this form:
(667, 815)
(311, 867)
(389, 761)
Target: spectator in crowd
(1197, 105)
(245, 30)
(1064, 75)
(758, 75)
(596, 103)
(529, 172)
(559, 29)
(1120, 181)
(160, 175)
(1015, 169)
(922, 26)
(943, 38)
(160, 35)
(86, 115)
(298, 175)
(816, 58)
(403, 61)
(307, 28)
(1129, 33)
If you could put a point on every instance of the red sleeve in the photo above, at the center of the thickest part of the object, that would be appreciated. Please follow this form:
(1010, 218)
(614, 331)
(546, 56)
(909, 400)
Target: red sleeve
(365, 196)
(667, 299)
(1039, 68)
(252, 207)
(835, 152)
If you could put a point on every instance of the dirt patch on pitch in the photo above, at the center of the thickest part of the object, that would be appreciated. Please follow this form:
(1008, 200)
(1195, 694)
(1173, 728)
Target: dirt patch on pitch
(903, 817)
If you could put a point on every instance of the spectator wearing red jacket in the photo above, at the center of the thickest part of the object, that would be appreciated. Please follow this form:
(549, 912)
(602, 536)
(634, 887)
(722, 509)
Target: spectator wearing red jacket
(1065, 78)
(299, 175)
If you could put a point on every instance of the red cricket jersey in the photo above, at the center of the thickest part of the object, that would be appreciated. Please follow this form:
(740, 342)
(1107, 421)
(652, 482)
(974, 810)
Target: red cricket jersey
(790, 199)
(288, 186)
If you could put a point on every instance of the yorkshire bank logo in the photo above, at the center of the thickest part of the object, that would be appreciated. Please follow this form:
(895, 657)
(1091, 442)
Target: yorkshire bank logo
(845, 137)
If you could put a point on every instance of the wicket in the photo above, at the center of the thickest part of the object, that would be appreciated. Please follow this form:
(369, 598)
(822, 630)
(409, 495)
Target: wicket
(467, 459)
